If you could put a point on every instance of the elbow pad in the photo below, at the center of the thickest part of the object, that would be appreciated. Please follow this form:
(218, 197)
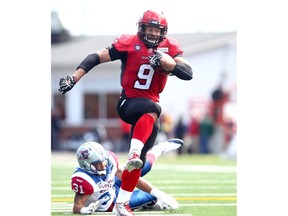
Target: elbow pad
(89, 62)
(183, 71)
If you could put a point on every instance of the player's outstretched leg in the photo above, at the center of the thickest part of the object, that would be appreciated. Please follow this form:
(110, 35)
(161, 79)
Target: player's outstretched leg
(167, 146)
(160, 149)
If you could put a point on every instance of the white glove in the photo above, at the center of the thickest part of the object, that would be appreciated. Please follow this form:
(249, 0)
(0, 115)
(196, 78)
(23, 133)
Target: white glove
(166, 201)
(90, 209)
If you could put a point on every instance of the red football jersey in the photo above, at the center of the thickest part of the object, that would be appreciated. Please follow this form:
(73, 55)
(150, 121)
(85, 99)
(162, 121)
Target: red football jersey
(138, 78)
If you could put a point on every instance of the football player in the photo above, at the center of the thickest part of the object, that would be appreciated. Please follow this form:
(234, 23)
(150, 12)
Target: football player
(97, 180)
(147, 58)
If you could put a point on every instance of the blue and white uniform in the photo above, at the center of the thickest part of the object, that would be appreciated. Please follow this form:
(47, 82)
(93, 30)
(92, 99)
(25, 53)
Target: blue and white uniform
(105, 188)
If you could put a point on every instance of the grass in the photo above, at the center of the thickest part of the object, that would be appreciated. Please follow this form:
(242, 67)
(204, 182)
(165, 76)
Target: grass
(204, 185)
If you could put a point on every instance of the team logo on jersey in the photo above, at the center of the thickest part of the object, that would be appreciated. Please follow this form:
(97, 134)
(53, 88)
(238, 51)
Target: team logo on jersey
(137, 47)
(103, 186)
(163, 49)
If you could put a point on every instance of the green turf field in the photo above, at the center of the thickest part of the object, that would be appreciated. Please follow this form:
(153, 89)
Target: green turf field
(203, 185)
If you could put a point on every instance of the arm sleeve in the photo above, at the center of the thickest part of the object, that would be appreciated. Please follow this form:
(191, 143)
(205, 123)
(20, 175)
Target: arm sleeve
(183, 71)
(89, 62)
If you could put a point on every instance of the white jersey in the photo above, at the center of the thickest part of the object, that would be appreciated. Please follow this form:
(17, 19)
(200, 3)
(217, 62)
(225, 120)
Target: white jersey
(98, 187)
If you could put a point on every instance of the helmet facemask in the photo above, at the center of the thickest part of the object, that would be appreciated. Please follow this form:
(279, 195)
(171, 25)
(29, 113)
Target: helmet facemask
(99, 167)
(93, 158)
(151, 40)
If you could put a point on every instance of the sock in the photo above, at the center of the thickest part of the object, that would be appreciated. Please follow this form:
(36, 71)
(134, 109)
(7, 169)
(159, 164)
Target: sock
(148, 164)
(136, 145)
(130, 179)
(123, 196)
(155, 151)
(143, 128)
(151, 158)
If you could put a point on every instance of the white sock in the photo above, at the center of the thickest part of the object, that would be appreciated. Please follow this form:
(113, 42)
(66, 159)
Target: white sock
(155, 151)
(136, 145)
(123, 196)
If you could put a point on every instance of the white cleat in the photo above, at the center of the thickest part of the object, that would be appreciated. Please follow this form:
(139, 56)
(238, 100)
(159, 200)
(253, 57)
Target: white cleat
(134, 162)
(169, 145)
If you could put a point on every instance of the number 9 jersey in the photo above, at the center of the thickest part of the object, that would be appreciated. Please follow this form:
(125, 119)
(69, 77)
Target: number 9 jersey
(138, 78)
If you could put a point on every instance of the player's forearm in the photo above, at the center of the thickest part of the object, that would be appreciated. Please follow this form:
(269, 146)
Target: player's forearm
(167, 62)
(79, 203)
(78, 74)
(77, 208)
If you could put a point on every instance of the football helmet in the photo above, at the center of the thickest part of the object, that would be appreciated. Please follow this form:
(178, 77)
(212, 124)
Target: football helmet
(92, 157)
(155, 19)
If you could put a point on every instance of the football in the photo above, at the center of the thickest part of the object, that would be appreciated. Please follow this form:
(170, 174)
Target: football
(161, 70)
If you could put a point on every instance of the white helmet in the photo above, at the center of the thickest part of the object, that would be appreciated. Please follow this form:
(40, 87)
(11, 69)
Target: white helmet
(91, 155)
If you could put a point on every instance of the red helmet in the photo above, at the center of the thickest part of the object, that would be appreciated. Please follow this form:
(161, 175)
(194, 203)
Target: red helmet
(152, 18)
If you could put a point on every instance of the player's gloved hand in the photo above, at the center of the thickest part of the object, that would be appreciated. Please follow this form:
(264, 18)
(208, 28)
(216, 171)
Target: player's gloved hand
(154, 60)
(90, 209)
(167, 202)
(66, 84)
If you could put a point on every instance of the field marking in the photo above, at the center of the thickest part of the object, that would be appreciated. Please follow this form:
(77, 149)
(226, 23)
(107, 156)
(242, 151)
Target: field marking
(67, 199)
(184, 187)
(173, 181)
(183, 168)
(196, 168)
(139, 213)
(172, 194)
(209, 204)
(65, 208)
(207, 198)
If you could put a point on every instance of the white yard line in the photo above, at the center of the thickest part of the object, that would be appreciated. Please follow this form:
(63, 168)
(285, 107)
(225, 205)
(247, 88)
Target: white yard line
(172, 194)
(184, 187)
(66, 208)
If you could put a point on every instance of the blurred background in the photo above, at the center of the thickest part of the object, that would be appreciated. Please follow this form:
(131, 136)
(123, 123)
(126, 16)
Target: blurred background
(201, 111)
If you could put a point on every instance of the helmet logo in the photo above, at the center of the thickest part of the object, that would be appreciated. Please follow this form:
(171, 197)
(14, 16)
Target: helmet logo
(155, 22)
(84, 155)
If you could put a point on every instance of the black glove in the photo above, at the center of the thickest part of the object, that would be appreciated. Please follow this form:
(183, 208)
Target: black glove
(66, 84)
(154, 60)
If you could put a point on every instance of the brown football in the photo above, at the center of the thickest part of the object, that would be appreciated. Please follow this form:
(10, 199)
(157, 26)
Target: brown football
(161, 70)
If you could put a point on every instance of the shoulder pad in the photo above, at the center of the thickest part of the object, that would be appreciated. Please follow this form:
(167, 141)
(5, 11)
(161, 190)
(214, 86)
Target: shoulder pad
(123, 40)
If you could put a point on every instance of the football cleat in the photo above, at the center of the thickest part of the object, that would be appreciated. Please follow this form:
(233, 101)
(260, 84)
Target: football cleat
(122, 209)
(169, 145)
(134, 162)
